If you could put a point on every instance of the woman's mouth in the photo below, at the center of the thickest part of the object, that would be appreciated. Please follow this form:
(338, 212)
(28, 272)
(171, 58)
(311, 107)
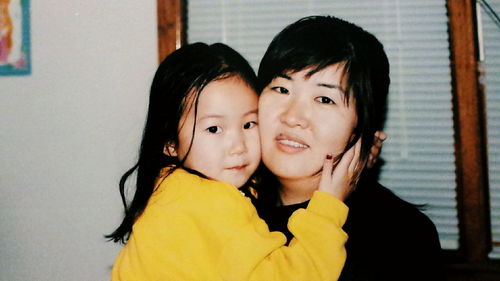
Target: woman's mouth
(290, 144)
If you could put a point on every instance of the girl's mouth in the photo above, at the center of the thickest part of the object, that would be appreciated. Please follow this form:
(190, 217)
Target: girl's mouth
(237, 168)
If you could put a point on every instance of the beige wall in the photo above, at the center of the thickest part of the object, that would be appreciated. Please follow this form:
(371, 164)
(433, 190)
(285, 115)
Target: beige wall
(68, 131)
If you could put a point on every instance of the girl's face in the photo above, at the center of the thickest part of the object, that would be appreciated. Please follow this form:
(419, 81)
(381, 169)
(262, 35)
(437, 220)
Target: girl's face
(302, 119)
(226, 143)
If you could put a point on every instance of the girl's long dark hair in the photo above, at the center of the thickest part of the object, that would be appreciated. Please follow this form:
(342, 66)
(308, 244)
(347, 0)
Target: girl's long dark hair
(183, 73)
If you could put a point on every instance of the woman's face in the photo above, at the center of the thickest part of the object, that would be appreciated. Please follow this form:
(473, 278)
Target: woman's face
(302, 119)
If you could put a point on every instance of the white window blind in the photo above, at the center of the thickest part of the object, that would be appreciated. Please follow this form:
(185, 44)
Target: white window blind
(491, 43)
(419, 153)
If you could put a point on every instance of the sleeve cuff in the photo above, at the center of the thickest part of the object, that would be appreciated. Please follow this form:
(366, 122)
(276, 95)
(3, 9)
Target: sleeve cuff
(326, 205)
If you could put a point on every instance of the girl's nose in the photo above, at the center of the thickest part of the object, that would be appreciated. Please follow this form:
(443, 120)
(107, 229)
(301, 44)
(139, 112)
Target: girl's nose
(238, 144)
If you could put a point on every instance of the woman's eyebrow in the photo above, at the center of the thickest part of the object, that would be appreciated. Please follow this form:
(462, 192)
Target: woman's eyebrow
(331, 86)
(284, 76)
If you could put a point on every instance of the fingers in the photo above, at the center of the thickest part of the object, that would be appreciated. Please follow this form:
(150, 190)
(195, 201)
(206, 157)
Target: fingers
(326, 174)
(345, 162)
(376, 148)
(338, 182)
(380, 136)
(356, 154)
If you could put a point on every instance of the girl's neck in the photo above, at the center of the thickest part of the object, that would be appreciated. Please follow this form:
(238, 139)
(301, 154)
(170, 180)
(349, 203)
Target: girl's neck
(294, 191)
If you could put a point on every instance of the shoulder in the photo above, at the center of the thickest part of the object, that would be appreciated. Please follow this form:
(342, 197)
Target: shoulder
(402, 209)
(386, 230)
(374, 195)
(374, 202)
(186, 182)
(186, 199)
(198, 193)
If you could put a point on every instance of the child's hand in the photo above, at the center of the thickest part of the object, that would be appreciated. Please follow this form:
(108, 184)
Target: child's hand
(339, 182)
(378, 140)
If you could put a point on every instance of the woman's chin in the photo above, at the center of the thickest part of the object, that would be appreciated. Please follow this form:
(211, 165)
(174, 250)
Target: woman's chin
(291, 170)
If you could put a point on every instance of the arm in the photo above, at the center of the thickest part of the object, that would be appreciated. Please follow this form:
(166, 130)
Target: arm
(318, 247)
(206, 230)
(316, 253)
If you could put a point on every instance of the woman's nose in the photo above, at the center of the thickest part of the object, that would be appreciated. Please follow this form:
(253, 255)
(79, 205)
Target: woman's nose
(295, 115)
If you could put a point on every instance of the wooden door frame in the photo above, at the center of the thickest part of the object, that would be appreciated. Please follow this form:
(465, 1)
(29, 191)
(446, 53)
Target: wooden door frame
(172, 26)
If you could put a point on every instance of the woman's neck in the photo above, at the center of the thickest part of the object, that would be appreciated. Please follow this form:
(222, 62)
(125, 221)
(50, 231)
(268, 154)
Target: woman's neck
(294, 191)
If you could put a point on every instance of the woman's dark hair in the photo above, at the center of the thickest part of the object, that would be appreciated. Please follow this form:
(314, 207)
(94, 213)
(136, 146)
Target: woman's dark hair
(180, 78)
(317, 42)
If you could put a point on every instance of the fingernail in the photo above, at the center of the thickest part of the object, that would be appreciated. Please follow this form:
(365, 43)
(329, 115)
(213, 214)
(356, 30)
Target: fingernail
(329, 157)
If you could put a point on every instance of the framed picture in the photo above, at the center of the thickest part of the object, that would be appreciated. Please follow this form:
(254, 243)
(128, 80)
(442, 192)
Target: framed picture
(15, 37)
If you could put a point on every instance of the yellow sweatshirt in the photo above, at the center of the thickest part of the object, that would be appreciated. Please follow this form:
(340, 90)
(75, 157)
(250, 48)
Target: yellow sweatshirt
(200, 229)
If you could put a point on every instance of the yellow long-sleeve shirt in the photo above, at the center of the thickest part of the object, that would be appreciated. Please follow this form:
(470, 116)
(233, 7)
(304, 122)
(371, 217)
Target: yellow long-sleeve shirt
(199, 229)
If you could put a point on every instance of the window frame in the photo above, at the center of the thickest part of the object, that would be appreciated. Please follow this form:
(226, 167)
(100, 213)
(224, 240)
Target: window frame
(469, 111)
(471, 260)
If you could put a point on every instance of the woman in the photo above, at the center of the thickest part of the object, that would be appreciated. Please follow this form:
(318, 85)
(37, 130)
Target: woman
(324, 85)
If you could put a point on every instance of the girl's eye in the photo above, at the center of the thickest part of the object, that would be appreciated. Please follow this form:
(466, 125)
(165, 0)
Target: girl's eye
(214, 129)
(249, 125)
(325, 100)
(280, 90)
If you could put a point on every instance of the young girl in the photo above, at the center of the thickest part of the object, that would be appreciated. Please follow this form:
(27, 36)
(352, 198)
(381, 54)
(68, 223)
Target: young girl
(187, 219)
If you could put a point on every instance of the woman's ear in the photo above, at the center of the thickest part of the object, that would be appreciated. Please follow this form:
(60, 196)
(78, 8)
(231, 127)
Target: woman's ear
(169, 149)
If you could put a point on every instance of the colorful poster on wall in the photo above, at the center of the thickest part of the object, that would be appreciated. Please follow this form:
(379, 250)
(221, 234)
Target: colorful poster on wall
(15, 37)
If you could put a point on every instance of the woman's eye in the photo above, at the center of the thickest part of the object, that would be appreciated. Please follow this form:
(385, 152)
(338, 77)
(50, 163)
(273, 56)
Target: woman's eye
(214, 129)
(249, 125)
(280, 90)
(325, 100)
